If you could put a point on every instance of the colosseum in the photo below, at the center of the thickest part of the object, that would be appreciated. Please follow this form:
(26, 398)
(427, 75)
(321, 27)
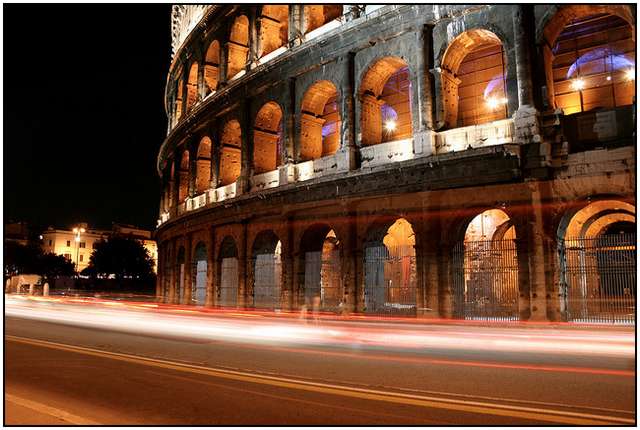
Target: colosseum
(434, 161)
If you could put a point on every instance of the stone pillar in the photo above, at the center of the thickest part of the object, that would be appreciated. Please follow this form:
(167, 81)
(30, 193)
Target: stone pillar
(188, 269)
(252, 60)
(426, 78)
(295, 24)
(538, 272)
(212, 273)
(527, 129)
(371, 120)
(193, 169)
(244, 271)
(445, 263)
(160, 272)
(185, 91)
(287, 266)
(175, 185)
(429, 266)
(202, 87)
(289, 149)
(350, 257)
(246, 138)
(175, 271)
(224, 63)
(349, 106)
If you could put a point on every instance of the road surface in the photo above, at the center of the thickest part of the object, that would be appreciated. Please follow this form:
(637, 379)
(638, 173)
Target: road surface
(113, 363)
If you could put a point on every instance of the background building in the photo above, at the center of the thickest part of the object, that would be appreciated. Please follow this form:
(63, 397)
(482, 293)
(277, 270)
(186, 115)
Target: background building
(78, 245)
(433, 160)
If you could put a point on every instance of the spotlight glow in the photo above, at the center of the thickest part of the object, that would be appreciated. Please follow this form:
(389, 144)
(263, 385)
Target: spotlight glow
(630, 74)
(577, 84)
(495, 102)
(390, 125)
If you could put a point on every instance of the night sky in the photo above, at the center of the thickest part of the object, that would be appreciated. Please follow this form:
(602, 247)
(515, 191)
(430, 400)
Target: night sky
(83, 112)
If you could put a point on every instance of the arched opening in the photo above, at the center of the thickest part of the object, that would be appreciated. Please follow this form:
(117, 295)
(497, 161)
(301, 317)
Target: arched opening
(597, 250)
(274, 28)
(183, 185)
(315, 16)
(192, 86)
(320, 121)
(322, 271)
(473, 75)
(178, 99)
(238, 46)
(231, 156)
(212, 66)
(203, 165)
(267, 138)
(267, 270)
(180, 269)
(228, 273)
(390, 269)
(486, 269)
(385, 96)
(199, 292)
(590, 58)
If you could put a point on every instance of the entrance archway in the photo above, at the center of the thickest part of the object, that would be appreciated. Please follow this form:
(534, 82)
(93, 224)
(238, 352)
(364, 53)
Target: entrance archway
(385, 96)
(485, 266)
(390, 269)
(199, 291)
(597, 252)
(267, 270)
(322, 272)
(228, 273)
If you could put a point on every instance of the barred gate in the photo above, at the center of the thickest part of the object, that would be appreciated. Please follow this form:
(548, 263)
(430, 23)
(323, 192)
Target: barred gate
(322, 278)
(200, 285)
(598, 278)
(228, 294)
(390, 280)
(267, 281)
(485, 280)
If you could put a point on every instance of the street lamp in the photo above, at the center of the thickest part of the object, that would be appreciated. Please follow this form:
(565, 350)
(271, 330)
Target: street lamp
(78, 232)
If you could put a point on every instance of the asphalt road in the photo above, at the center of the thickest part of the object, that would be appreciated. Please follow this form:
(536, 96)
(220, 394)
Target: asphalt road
(57, 373)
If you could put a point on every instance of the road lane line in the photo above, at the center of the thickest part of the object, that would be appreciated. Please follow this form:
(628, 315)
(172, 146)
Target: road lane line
(49, 410)
(485, 408)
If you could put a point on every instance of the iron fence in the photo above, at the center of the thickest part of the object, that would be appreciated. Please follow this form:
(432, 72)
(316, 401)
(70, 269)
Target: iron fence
(228, 293)
(598, 278)
(322, 278)
(199, 286)
(267, 281)
(390, 280)
(485, 280)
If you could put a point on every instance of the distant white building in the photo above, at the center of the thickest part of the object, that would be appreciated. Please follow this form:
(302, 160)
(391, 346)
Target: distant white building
(78, 243)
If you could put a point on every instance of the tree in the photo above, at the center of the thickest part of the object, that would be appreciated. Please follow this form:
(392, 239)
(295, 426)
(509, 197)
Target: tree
(20, 258)
(52, 266)
(29, 258)
(121, 257)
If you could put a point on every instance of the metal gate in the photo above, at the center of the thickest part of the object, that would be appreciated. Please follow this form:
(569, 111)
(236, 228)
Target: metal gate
(180, 292)
(598, 278)
(228, 282)
(200, 284)
(267, 281)
(485, 280)
(390, 280)
(322, 278)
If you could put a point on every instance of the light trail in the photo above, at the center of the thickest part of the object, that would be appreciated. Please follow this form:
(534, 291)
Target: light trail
(287, 329)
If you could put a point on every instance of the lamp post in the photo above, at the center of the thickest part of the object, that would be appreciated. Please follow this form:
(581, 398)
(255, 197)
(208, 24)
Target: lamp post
(78, 232)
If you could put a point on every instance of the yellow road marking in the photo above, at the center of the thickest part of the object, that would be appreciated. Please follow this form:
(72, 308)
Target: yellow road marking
(536, 414)
(48, 410)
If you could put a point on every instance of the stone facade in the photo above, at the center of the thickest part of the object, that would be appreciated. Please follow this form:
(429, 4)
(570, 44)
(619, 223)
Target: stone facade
(361, 117)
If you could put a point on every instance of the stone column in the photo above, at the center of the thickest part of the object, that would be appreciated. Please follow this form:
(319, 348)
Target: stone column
(429, 267)
(193, 168)
(224, 61)
(349, 106)
(539, 273)
(173, 284)
(295, 32)
(252, 60)
(202, 87)
(444, 261)
(246, 138)
(212, 273)
(526, 117)
(160, 272)
(244, 282)
(350, 255)
(188, 269)
(287, 266)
